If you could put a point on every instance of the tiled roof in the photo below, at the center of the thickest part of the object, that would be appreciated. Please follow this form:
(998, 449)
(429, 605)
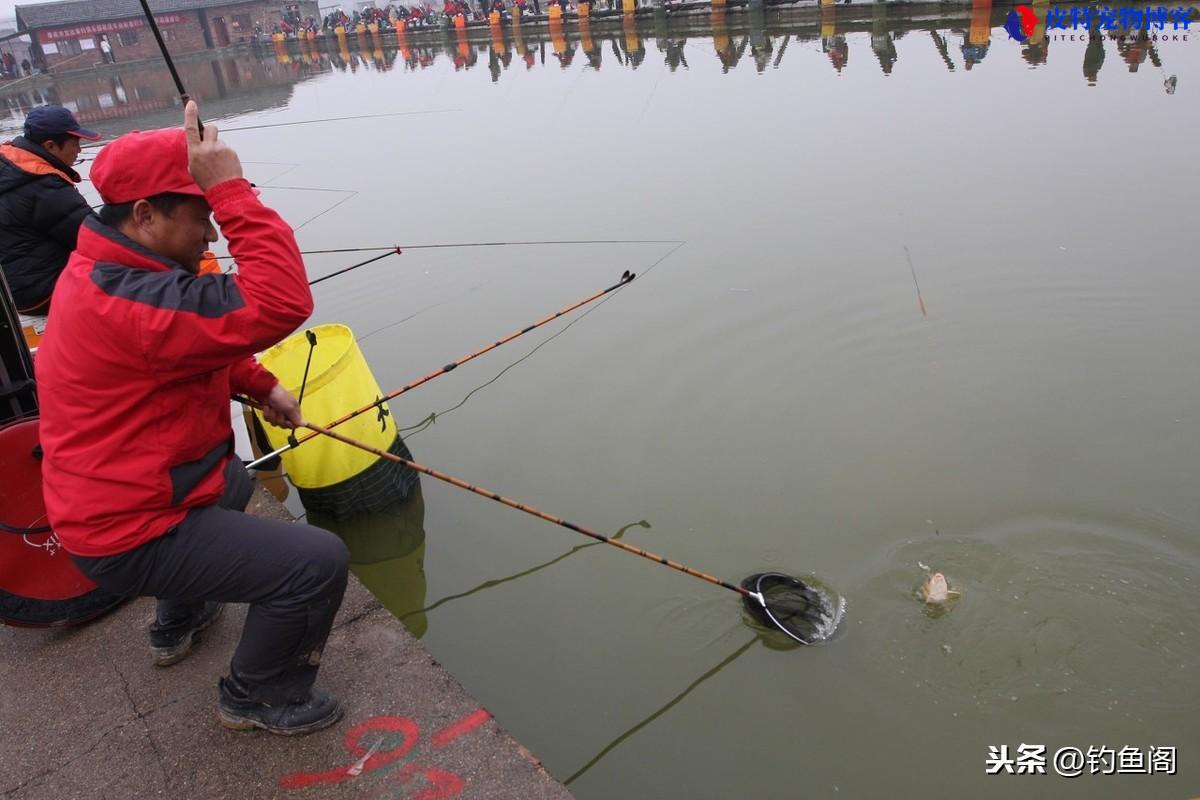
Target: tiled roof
(69, 12)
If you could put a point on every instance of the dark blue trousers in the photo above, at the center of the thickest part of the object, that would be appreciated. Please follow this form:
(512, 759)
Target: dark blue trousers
(292, 575)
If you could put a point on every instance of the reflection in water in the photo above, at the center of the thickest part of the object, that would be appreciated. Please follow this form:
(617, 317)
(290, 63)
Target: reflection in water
(1034, 51)
(881, 39)
(102, 99)
(387, 553)
(1093, 58)
(979, 35)
(263, 79)
(725, 662)
(494, 582)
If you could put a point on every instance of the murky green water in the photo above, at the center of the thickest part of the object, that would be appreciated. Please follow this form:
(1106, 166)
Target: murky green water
(775, 394)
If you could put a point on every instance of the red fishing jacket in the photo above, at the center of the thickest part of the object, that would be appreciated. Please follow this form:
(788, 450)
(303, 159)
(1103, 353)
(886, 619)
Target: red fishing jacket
(136, 368)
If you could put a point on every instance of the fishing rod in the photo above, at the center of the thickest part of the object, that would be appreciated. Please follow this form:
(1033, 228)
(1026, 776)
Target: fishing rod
(789, 604)
(528, 509)
(162, 46)
(395, 251)
(470, 244)
(626, 277)
(794, 608)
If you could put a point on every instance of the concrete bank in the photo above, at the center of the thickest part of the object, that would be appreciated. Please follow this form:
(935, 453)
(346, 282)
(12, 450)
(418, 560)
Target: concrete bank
(85, 714)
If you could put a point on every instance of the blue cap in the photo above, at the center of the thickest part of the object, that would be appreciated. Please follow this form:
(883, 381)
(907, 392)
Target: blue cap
(46, 122)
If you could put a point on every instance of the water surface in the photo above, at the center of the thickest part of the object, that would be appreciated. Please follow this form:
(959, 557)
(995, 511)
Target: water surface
(774, 394)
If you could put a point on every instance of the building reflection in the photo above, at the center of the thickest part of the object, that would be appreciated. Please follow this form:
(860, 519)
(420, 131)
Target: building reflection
(259, 78)
(103, 99)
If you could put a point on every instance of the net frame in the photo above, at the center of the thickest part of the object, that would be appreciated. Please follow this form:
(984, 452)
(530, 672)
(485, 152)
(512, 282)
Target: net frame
(758, 605)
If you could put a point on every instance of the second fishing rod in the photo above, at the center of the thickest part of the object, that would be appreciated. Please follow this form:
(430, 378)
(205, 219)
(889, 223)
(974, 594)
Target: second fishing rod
(626, 278)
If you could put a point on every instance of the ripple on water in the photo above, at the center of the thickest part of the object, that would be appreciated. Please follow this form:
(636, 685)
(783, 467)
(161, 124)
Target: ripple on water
(1069, 614)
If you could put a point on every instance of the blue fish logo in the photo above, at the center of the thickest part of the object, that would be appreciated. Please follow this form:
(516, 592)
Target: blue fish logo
(1020, 23)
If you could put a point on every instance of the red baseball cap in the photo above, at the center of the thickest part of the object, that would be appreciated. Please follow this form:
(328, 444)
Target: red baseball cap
(141, 164)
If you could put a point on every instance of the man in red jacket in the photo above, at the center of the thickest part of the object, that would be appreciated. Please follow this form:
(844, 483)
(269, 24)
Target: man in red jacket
(140, 356)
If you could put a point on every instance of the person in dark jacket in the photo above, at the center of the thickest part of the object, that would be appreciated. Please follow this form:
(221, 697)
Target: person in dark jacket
(40, 208)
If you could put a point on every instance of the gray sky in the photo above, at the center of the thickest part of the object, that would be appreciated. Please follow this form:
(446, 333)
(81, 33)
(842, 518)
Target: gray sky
(6, 9)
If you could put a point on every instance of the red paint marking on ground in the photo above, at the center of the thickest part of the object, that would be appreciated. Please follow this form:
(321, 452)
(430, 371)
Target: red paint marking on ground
(461, 728)
(441, 785)
(359, 740)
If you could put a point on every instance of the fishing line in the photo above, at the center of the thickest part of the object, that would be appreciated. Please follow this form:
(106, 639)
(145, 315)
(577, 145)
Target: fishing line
(625, 278)
(326, 211)
(337, 119)
(185, 98)
(301, 188)
(433, 416)
(913, 270)
(401, 321)
(471, 244)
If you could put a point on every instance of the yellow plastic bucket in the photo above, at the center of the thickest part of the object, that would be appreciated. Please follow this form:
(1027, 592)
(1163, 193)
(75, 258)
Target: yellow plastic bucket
(339, 381)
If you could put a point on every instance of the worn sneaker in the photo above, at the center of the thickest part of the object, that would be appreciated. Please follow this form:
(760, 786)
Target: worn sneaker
(169, 644)
(319, 710)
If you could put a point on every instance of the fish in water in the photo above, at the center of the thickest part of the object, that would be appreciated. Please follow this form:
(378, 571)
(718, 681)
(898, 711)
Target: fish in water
(935, 590)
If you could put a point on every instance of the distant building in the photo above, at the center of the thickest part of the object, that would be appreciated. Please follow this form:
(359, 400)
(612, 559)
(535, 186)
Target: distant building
(69, 34)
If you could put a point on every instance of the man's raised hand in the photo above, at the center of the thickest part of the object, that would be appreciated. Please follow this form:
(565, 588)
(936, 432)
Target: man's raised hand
(210, 161)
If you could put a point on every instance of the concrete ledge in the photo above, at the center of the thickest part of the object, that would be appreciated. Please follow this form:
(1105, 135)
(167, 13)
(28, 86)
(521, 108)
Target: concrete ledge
(85, 714)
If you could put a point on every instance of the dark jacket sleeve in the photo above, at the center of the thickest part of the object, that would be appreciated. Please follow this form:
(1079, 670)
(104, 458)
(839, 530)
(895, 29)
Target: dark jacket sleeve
(59, 209)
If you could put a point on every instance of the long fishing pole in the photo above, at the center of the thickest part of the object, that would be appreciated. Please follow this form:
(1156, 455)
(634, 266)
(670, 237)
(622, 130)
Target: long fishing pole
(470, 244)
(183, 95)
(626, 277)
(394, 252)
(162, 46)
(528, 509)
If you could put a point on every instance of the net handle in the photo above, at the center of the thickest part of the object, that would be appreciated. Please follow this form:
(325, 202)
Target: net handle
(626, 277)
(528, 509)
